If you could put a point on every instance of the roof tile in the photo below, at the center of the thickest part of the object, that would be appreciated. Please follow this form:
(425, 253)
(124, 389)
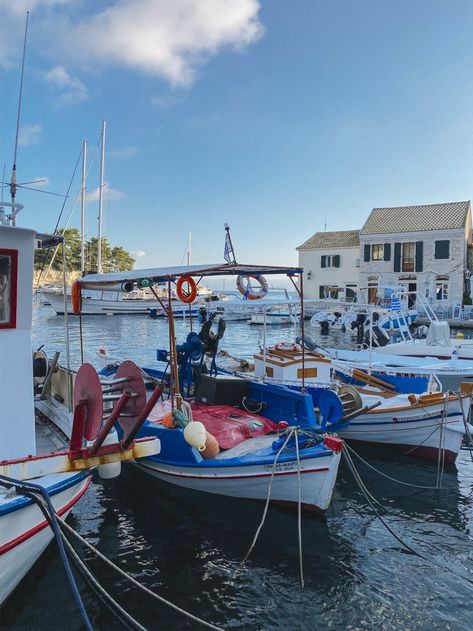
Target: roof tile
(338, 239)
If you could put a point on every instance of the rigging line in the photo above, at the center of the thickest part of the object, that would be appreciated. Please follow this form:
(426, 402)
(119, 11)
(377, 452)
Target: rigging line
(71, 211)
(60, 215)
(130, 578)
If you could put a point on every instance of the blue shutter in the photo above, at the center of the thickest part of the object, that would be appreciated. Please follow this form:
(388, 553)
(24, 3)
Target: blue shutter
(387, 251)
(367, 256)
(323, 261)
(442, 249)
(397, 257)
(419, 256)
(322, 291)
(336, 260)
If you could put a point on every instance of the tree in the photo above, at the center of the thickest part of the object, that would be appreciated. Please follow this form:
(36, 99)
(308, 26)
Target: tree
(115, 259)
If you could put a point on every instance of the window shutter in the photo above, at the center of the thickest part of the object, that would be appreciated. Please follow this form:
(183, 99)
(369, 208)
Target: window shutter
(397, 257)
(323, 261)
(336, 260)
(367, 252)
(387, 251)
(322, 291)
(442, 249)
(419, 256)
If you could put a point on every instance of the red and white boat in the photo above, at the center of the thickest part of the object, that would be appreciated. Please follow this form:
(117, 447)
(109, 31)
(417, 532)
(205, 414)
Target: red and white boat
(32, 450)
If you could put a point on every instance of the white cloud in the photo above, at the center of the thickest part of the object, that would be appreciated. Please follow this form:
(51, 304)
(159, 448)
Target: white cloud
(110, 194)
(138, 254)
(169, 39)
(72, 90)
(29, 134)
(123, 152)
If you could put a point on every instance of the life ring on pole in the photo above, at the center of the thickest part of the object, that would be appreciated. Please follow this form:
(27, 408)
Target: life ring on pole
(246, 289)
(76, 297)
(286, 346)
(189, 294)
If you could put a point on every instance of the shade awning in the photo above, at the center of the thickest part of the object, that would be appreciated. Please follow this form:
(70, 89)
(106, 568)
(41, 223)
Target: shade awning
(114, 280)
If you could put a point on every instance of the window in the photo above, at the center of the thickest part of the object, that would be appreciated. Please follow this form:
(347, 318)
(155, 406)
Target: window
(441, 290)
(377, 252)
(442, 249)
(8, 281)
(408, 257)
(330, 260)
(325, 291)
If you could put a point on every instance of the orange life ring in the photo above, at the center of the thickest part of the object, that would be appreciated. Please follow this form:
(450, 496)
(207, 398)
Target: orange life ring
(76, 298)
(191, 293)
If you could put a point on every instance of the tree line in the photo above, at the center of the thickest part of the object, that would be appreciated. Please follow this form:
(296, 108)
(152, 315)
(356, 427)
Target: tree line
(114, 259)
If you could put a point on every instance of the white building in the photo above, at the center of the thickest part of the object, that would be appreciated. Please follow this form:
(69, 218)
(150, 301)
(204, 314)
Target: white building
(330, 261)
(420, 248)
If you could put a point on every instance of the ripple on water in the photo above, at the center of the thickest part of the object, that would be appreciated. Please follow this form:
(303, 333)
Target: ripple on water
(189, 546)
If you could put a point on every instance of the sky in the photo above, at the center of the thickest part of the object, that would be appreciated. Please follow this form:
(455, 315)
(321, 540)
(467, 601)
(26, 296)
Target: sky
(277, 117)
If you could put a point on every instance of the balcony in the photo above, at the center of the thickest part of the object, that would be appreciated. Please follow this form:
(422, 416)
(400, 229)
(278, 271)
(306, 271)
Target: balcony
(408, 265)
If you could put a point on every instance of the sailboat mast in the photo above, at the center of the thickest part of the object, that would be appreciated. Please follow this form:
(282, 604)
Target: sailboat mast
(82, 216)
(13, 173)
(189, 249)
(102, 160)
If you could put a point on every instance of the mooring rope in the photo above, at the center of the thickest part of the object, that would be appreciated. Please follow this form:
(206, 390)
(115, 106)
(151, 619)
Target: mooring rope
(466, 423)
(265, 511)
(131, 579)
(32, 491)
(388, 477)
(299, 510)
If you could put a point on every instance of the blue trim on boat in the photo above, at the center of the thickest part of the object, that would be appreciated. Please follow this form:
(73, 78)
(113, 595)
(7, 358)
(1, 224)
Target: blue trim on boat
(21, 501)
(416, 420)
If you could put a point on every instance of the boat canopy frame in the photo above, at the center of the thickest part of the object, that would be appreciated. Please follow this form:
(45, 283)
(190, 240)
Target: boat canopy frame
(113, 281)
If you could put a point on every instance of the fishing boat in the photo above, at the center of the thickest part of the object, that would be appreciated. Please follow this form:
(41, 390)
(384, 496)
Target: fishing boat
(248, 435)
(425, 422)
(32, 450)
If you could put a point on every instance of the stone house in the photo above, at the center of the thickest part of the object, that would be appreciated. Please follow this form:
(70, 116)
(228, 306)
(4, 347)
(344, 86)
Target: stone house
(330, 261)
(419, 248)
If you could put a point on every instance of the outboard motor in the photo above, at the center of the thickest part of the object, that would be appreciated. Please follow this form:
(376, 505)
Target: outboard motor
(324, 327)
(359, 325)
(203, 315)
(380, 337)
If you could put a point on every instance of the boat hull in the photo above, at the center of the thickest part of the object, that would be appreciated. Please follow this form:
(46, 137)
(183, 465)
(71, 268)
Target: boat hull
(423, 431)
(24, 532)
(318, 477)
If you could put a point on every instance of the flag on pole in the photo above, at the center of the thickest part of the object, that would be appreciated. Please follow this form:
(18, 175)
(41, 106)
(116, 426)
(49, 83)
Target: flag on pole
(228, 253)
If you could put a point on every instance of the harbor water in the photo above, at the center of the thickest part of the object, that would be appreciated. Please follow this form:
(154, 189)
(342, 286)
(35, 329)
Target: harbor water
(189, 546)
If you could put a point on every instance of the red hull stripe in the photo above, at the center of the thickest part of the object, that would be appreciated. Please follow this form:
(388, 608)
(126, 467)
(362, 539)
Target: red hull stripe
(230, 477)
(43, 524)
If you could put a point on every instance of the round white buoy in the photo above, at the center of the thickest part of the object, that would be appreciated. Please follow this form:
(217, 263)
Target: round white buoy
(196, 435)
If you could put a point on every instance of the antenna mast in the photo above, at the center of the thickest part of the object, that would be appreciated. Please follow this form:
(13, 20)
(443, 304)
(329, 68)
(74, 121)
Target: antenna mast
(82, 218)
(99, 243)
(13, 173)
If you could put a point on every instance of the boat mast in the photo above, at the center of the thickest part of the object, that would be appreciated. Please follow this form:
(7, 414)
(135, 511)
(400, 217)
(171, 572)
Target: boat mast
(13, 173)
(99, 243)
(189, 248)
(82, 218)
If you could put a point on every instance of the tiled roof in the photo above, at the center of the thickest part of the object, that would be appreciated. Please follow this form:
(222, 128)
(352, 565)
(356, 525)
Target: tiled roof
(449, 216)
(339, 239)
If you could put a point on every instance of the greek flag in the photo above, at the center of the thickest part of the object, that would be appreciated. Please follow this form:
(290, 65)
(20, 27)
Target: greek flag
(228, 253)
(395, 303)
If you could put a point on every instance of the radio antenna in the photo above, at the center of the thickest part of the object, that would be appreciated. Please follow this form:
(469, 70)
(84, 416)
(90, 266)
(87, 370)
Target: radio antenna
(13, 173)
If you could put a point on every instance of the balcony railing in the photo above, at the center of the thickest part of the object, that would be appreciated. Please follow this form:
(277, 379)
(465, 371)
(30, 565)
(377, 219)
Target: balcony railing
(408, 265)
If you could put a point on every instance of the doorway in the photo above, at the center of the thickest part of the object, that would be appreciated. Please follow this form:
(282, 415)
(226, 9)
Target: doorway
(411, 300)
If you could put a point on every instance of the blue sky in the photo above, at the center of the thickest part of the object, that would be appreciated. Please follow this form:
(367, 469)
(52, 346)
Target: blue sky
(272, 116)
